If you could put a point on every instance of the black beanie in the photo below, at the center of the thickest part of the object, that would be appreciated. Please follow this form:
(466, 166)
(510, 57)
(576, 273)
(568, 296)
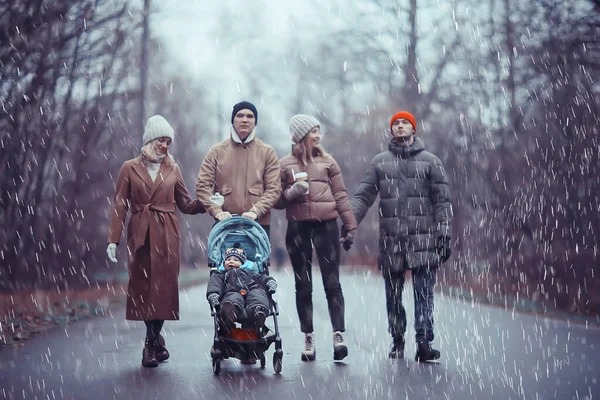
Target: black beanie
(244, 105)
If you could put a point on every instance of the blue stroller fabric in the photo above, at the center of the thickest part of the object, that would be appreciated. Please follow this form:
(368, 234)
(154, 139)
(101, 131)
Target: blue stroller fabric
(249, 234)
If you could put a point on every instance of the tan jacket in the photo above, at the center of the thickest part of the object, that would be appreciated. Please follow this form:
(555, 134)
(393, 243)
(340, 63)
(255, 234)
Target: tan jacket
(246, 174)
(152, 236)
(327, 198)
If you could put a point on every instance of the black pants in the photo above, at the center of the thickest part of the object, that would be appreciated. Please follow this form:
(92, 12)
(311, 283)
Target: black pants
(423, 286)
(300, 238)
(256, 300)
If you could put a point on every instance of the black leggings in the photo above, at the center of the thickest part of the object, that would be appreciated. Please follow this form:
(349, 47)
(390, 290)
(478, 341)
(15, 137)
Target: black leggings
(300, 238)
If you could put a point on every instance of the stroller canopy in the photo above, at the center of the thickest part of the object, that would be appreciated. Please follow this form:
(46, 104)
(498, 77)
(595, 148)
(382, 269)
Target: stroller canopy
(249, 234)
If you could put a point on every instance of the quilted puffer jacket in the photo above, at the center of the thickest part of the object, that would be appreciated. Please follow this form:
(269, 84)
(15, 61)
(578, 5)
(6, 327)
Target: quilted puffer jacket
(414, 207)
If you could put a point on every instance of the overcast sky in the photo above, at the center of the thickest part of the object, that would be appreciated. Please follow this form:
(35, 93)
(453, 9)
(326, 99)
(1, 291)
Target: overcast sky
(214, 39)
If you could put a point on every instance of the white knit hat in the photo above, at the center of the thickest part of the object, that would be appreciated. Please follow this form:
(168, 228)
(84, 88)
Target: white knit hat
(300, 125)
(157, 127)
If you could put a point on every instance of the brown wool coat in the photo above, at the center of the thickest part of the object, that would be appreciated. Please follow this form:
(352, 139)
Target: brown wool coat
(327, 198)
(152, 236)
(247, 175)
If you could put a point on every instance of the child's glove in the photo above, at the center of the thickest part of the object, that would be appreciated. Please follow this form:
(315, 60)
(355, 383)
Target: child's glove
(213, 300)
(217, 199)
(272, 286)
(300, 188)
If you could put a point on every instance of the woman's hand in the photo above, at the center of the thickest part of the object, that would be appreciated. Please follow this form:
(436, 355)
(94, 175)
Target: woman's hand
(111, 252)
(300, 188)
(217, 199)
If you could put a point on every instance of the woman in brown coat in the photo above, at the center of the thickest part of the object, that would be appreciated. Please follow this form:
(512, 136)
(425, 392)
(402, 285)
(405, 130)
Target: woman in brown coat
(314, 195)
(151, 186)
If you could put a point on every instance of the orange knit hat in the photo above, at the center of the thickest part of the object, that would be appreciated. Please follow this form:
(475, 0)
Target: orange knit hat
(405, 115)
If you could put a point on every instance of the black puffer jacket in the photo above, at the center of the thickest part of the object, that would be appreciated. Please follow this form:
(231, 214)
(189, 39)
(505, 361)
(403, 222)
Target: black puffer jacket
(415, 205)
(234, 280)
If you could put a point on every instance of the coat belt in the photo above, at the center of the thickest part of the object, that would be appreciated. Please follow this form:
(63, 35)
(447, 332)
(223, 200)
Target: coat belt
(146, 218)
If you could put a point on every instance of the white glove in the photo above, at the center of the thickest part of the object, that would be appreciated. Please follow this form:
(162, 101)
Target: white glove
(222, 215)
(250, 215)
(300, 188)
(111, 252)
(272, 285)
(217, 199)
(213, 300)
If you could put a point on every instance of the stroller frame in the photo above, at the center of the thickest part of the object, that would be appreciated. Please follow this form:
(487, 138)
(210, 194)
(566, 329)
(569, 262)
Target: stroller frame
(225, 347)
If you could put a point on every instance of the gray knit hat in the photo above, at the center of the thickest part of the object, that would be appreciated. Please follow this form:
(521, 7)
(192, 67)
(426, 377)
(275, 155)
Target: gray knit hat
(300, 125)
(157, 127)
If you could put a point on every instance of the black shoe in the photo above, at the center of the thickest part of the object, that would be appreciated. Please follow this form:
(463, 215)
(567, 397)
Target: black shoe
(259, 319)
(149, 355)
(229, 315)
(162, 354)
(340, 350)
(425, 352)
(397, 350)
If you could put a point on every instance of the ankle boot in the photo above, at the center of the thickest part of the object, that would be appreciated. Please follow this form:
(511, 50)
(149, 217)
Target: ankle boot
(340, 351)
(162, 353)
(149, 354)
(425, 352)
(309, 352)
(397, 350)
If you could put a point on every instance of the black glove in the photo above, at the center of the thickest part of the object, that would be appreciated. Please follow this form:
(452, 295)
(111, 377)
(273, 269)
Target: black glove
(272, 286)
(348, 241)
(444, 249)
(213, 300)
(347, 244)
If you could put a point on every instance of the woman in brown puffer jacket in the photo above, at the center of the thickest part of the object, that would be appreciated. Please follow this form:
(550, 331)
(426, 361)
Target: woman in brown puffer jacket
(314, 196)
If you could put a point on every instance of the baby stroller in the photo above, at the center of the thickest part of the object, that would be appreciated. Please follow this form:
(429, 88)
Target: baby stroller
(243, 343)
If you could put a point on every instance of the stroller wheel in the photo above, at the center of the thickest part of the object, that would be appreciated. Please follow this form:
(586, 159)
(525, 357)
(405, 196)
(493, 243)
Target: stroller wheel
(277, 364)
(263, 360)
(216, 366)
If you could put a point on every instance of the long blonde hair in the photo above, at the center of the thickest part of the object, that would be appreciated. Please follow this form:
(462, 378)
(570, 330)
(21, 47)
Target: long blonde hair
(303, 155)
(149, 153)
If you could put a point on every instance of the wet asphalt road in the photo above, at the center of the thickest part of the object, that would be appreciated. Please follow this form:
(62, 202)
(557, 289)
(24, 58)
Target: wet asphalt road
(487, 353)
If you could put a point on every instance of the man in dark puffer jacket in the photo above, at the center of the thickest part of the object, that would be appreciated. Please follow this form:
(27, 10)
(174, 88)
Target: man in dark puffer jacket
(414, 227)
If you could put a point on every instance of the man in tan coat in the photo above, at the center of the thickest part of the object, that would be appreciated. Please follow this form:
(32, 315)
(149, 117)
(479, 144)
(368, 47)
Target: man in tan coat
(243, 170)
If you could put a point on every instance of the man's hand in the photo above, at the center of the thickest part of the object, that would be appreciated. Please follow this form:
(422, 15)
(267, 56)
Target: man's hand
(347, 239)
(222, 215)
(217, 199)
(444, 248)
(272, 286)
(250, 215)
(111, 252)
(300, 188)
(213, 300)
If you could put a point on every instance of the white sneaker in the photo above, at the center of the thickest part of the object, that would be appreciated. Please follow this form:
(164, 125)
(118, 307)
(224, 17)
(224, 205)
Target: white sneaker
(309, 352)
(340, 351)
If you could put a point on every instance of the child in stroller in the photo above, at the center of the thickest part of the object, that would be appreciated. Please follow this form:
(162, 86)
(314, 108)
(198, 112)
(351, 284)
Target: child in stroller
(239, 293)
(236, 288)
